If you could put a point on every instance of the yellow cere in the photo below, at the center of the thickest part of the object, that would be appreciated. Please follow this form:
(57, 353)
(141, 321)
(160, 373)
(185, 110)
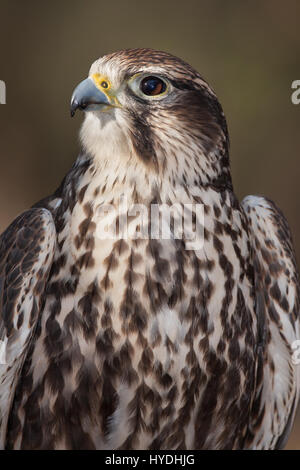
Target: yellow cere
(101, 82)
(104, 85)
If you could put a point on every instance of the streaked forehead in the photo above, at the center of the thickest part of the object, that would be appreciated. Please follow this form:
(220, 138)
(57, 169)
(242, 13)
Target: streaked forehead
(128, 62)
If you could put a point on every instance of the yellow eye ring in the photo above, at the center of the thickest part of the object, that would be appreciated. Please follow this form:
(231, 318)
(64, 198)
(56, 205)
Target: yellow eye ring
(100, 81)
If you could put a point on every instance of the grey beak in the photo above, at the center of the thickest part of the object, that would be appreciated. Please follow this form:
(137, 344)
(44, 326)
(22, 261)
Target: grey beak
(87, 96)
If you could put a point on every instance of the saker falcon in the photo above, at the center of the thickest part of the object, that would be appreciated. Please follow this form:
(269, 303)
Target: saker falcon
(140, 343)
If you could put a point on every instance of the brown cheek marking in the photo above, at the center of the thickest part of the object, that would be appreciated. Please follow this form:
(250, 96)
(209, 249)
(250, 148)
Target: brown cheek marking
(142, 139)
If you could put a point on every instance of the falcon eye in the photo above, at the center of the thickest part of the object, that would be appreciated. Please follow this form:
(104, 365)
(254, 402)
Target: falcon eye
(153, 86)
(149, 87)
(104, 84)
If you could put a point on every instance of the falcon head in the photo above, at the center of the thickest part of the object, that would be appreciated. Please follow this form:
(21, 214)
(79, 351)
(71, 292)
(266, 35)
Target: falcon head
(153, 110)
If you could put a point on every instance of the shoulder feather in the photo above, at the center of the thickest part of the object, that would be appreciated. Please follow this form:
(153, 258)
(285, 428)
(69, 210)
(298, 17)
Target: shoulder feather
(26, 254)
(277, 309)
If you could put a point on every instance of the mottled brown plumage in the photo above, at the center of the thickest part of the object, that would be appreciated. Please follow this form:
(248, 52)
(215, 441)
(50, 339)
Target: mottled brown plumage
(141, 343)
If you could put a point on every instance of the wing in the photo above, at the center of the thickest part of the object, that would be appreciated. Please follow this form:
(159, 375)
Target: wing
(276, 284)
(26, 254)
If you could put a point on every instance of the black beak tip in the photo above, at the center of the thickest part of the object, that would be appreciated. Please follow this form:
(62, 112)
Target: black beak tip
(74, 105)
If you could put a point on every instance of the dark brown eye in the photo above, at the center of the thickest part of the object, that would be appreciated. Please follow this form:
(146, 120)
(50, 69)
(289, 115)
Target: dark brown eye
(152, 86)
(104, 84)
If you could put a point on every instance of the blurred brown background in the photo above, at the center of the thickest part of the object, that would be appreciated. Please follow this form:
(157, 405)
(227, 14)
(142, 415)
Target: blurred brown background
(248, 51)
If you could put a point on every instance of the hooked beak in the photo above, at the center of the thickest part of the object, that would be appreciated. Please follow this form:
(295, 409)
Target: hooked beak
(88, 97)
